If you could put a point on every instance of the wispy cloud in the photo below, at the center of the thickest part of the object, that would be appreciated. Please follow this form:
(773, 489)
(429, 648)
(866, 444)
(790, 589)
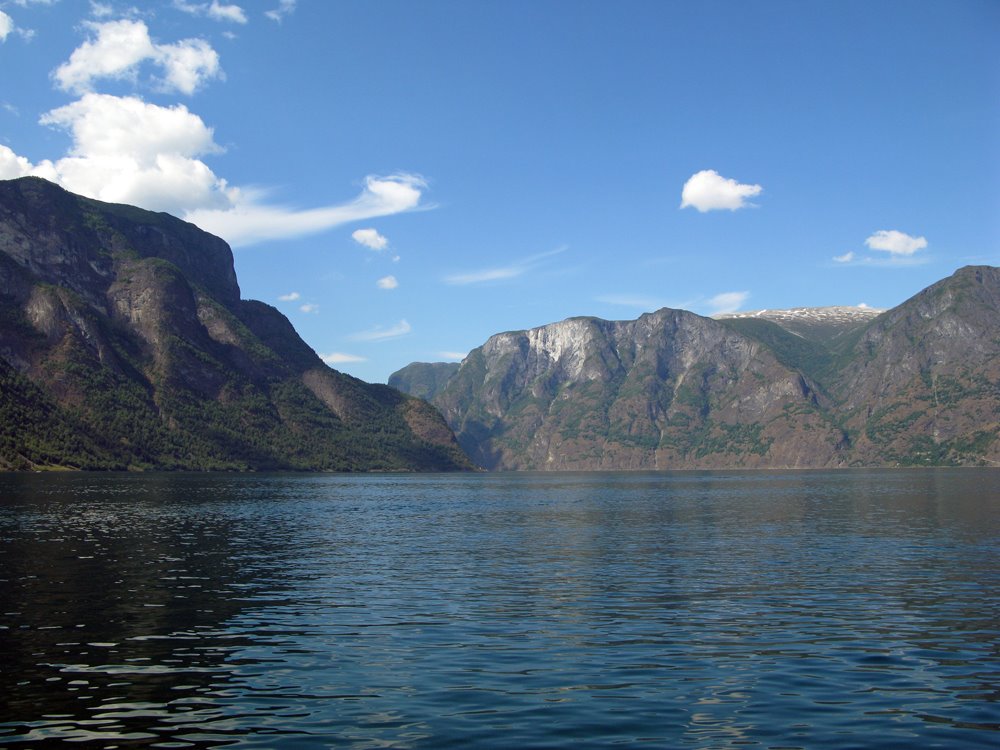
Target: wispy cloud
(285, 7)
(290, 297)
(215, 10)
(249, 221)
(309, 308)
(727, 302)
(639, 302)
(339, 358)
(387, 282)
(502, 273)
(709, 191)
(378, 333)
(845, 258)
(453, 356)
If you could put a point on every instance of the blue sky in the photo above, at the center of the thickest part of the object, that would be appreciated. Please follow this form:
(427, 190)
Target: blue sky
(404, 179)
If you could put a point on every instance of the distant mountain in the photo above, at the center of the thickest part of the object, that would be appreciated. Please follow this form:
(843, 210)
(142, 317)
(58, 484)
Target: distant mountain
(423, 379)
(124, 344)
(820, 324)
(821, 387)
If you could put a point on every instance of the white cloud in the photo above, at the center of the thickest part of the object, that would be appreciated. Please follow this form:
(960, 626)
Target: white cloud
(338, 358)
(453, 356)
(845, 258)
(290, 297)
(501, 273)
(387, 282)
(215, 10)
(13, 166)
(117, 49)
(378, 333)
(232, 13)
(370, 238)
(249, 221)
(727, 302)
(126, 150)
(708, 191)
(6, 26)
(309, 307)
(895, 243)
(285, 7)
(100, 10)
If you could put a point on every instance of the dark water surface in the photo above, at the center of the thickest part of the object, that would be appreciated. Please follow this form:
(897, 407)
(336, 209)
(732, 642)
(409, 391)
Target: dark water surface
(705, 610)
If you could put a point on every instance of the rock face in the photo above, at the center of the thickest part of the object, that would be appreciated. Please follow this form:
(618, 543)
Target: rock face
(919, 384)
(124, 344)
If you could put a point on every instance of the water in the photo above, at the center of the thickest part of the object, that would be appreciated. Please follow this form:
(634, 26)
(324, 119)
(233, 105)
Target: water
(701, 610)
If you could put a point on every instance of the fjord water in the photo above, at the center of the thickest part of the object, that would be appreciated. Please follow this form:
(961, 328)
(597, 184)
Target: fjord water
(703, 610)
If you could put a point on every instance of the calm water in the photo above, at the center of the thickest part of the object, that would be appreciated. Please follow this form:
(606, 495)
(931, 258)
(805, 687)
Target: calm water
(703, 610)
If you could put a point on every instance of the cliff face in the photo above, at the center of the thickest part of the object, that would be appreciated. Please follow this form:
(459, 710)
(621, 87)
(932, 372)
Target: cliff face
(669, 389)
(919, 384)
(124, 344)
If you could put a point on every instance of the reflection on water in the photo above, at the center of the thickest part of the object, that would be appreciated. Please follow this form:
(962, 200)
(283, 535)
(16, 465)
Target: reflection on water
(799, 609)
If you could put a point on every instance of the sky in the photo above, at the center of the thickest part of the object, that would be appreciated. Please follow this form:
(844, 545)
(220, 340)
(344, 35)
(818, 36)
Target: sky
(404, 179)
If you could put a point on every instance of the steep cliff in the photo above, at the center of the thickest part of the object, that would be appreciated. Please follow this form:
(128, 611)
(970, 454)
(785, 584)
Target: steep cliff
(919, 384)
(124, 344)
(669, 389)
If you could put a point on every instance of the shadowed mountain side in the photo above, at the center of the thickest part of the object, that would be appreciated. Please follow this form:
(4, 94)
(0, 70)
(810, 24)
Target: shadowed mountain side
(124, 344)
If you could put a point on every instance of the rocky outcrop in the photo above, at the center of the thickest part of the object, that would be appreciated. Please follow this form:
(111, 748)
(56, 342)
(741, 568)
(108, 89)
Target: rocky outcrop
(124, 344)
(919, 384)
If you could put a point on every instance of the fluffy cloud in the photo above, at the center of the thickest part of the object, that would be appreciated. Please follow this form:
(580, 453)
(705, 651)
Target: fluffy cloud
(339, 358)
(6, 26)
(895, 243)
(501, 273)
(117, 49)
(387, 282)
(285, 7)
(127, 150)
(370, 238)
(13, 166)
(378, 333)
(290, 297)
(845, 258)
(709, 191)
(727, 302)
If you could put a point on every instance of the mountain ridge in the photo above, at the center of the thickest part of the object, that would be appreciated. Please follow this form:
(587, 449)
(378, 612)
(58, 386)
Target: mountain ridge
(915, 385)
(125, 344)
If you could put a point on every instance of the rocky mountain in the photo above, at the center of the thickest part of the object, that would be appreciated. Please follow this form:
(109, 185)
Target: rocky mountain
(124, 344)
(916, 385)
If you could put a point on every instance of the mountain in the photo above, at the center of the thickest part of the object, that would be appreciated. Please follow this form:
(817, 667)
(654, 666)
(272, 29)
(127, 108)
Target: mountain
(124, 344)
(819, 324)
(423, 379)
(821, 387)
